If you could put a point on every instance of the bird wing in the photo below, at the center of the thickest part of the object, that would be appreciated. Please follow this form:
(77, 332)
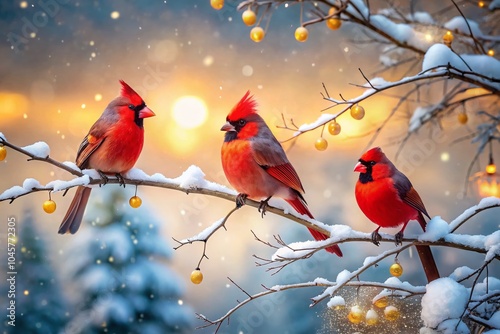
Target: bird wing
(407, 193)
(90, 143)
(270, 156)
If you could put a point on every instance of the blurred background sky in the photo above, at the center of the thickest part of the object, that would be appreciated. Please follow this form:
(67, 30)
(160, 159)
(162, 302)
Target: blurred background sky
(55, 83)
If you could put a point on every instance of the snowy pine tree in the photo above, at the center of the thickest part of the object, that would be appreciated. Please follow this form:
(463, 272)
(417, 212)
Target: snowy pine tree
(40, 306)
(119, 273)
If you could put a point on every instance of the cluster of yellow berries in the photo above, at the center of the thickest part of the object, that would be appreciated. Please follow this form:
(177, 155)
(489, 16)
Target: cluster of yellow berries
(333, 23)
(257, 34)
(334, 128)
(49, 206)
(356, 314)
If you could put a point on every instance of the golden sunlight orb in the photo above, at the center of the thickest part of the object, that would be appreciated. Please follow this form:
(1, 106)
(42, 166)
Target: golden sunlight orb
(189, 112)
(115, 15)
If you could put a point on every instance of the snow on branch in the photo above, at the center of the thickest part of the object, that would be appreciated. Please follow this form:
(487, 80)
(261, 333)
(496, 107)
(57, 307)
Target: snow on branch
(439, 232)
(377, 85)
(432, 316)
(192, 181)
(484, 204)
(318, 282)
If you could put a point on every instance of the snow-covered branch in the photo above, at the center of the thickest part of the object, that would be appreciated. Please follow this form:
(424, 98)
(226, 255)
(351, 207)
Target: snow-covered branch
(377, 85)
(192, 181)
(407, 289)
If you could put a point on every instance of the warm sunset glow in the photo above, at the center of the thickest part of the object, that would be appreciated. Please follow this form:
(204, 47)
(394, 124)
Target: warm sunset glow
(189, 112)
(13, 105)
(180, 141)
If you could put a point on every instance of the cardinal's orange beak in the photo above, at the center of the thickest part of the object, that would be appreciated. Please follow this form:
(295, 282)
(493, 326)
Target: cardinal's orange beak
(360, 168)
(146, 112)
(228, 127)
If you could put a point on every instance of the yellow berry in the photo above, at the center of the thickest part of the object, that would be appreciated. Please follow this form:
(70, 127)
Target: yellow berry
(396, 269)
(371, 317)
(480, 4)
(217, 4)
(257, 34)
(355, 315)
(391, 313)
(491, 52)
(357, 112)
(462, 118)
(3, 153)
(49, 206)
(196, 276)
(381, 302)
(334, 23)
(135, 201)
(334, 128)
(301, 34)
(321, 144)
(249, 17)
(448, 38)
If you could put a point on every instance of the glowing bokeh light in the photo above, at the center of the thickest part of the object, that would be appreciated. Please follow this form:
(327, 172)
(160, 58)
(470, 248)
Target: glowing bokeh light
(189, 112)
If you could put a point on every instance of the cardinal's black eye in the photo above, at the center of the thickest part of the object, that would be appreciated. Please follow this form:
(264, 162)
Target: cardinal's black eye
(242, 122)
(372, 163)
(131, 107)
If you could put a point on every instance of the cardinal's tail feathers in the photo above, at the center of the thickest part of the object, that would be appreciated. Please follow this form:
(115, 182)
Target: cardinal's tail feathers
(422, 221)
(73, 219)
(301, 208)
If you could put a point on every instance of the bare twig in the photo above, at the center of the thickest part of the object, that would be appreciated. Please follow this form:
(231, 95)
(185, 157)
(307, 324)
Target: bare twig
(205, 235)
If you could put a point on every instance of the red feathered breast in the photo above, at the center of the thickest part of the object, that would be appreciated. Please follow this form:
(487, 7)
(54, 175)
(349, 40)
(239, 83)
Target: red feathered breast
(380, 202)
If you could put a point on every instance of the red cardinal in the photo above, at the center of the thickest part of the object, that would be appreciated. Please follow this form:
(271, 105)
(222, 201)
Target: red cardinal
(387, 197)
(256, 165)
(112, 146)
